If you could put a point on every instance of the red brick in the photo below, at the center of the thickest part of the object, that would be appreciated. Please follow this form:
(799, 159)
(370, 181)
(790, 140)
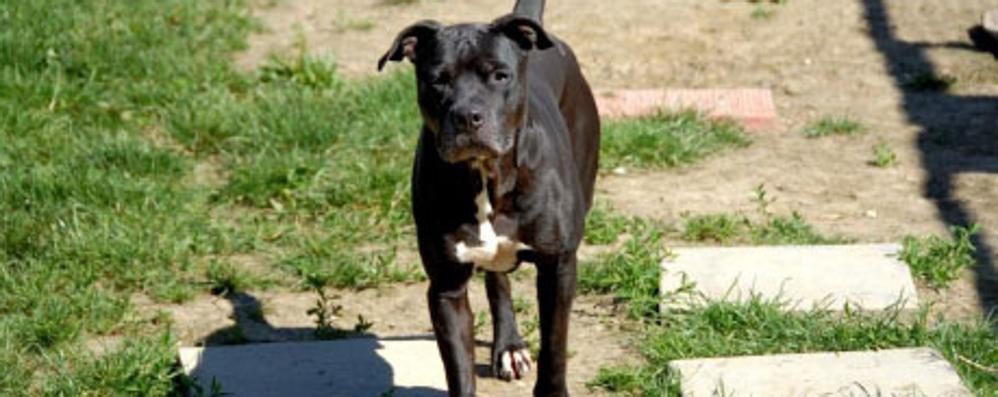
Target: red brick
(752, 108)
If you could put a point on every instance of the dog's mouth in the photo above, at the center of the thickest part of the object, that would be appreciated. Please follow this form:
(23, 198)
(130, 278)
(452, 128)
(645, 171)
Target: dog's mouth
(471, 146)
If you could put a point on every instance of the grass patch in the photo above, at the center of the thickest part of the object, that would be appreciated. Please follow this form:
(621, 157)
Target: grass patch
(768, 229)
(630, 273)
(106, 111)
(603, 225)
(939, 261)
(762, 13)
(883, 156)
(829, 125)
(666, 140)
(757, 327)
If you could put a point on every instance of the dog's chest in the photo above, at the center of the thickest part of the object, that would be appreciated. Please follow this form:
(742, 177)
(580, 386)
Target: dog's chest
(492, 252)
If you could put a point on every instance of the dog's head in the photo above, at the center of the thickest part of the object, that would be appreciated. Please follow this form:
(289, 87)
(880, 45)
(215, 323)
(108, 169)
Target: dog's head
(471, 81)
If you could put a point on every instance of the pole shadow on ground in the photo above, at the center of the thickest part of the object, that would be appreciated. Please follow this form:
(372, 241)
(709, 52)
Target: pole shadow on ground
(958, 134)
(254, 358)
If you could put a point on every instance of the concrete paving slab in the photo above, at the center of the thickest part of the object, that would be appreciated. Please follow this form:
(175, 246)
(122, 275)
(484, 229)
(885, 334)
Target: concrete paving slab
(918, 372)
(348, 368)
(989, 20)
(752, 108)
(866, 276)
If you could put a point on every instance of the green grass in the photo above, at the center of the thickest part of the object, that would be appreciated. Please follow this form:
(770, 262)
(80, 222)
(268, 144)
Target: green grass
(762, 13)
(830, 125)
(883, 156)
(666, 140)
(939, 261)
(631, 275)
(603, 225)
(106, 110)
(766, 229)
(730, 229)
(757, 327)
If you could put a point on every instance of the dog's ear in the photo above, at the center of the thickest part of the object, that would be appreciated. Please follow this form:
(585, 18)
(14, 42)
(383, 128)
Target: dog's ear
(526, 32)
(405, 43)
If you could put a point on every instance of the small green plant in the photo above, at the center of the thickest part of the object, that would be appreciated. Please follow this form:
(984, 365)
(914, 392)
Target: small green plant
(830, 125)
(883, 156)
(363, 325)
(761, 12)
(761, 199)
(939, 261)
(325, 311)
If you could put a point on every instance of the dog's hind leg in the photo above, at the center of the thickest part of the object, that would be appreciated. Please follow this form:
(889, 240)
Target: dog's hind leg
(510, 357)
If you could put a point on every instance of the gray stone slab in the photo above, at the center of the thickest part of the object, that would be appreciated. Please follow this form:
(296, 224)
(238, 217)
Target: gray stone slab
(897, 373)
(868, 276)
(348, 368)
(989, 20)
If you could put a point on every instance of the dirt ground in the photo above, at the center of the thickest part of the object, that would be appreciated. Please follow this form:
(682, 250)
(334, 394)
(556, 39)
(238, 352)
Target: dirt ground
(820, 58)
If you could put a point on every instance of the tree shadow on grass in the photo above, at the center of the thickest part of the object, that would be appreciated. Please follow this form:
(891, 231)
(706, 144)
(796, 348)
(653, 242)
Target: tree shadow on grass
(290, 362)
(959, 134)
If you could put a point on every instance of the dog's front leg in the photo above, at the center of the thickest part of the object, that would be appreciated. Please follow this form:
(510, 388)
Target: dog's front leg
(453, 326)
(556, 279)
(510, 358)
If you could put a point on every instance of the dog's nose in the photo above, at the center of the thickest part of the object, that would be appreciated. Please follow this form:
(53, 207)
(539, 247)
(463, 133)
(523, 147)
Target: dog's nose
(469, 117)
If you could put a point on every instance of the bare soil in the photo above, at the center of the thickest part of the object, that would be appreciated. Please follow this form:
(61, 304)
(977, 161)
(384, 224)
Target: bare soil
(820, 58)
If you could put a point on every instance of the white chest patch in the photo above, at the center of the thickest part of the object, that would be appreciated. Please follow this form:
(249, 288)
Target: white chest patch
(494, 253)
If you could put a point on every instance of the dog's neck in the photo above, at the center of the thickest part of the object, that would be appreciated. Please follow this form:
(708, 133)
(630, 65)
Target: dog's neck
(498, 175)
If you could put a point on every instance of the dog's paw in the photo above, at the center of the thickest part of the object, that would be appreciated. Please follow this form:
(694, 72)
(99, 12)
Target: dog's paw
(513, 364)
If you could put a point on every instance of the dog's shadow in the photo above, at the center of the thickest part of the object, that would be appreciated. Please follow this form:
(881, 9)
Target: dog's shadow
(254, 358)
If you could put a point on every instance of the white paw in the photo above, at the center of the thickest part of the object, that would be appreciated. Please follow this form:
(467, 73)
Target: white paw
(514, 364)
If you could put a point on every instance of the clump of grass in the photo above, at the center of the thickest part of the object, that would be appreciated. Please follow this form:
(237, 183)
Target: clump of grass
(666, 140)
(603, 225)
(883, 156)
(759, 327)
(772, 229)
(832, 125)
(939, 261)
(632, 272)
(225, 279)
(739, 229)
(355, 270)
(343, 23)
(720, 228)
(762, 13)
(143, 366)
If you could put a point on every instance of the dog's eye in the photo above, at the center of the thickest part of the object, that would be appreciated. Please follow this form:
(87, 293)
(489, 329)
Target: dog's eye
(500, 76)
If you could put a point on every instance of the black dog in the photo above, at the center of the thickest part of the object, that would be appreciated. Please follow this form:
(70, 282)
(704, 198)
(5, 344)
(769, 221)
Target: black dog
(503, 174)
